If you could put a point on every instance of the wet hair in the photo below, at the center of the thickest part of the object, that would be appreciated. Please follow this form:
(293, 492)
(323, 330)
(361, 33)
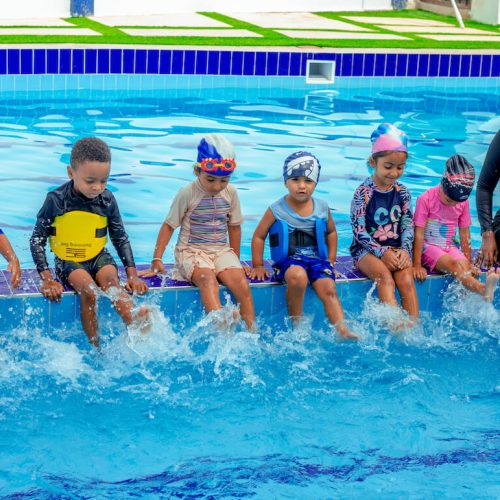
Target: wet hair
(89, 149)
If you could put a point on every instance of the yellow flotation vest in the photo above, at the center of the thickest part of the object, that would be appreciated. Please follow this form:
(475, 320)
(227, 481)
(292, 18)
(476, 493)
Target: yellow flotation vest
(78, 236)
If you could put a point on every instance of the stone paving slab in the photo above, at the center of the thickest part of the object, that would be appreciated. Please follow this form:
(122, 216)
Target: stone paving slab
(436, 29)
(222, 33)
(299, 20)
(186, 19)
(49, 31)
(463, 38)
(398, 21)
(49, 22)
(338, 35)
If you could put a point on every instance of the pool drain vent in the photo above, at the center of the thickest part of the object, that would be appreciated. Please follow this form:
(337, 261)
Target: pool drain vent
(320, 71)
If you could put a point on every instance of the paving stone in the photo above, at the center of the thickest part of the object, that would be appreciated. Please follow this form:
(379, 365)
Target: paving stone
(463, 38)
(340, 35)
(49, 31)
(34, 22)
(398, 21)
(436, 29)
(299, 20)
(190, 32)
(186, 19)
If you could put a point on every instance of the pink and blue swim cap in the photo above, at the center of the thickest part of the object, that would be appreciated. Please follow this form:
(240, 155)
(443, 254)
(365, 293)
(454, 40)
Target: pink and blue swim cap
(387, 137)
(216, 155)
(301, 164)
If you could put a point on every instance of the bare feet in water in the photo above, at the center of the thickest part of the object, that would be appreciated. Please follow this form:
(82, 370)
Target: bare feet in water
(344, 333)
(491, 284)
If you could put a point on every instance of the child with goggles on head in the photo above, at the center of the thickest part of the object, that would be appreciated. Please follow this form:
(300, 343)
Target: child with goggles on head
(382, 224)
(208, 212)
(300, 260)
(438, 213)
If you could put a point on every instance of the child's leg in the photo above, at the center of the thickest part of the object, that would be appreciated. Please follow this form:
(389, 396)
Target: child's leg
(377, 271)
(85, 286)
(236, 280)
(327, 293)
(296, 281)
(204, 278)
(406, 286)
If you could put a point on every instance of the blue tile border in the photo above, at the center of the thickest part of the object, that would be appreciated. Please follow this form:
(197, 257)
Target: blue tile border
(241, 63)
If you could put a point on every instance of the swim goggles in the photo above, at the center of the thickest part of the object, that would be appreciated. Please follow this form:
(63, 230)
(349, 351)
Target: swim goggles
(211, 165)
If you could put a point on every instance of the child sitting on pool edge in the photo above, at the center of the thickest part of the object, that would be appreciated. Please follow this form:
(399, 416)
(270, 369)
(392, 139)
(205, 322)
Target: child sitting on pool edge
(208, 213)
(13, 262)
(440, 210)
(302, 262)
(382, 224)
(76, 217)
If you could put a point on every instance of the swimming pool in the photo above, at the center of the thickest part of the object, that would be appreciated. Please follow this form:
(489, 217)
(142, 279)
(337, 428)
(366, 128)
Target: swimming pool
(290, 414)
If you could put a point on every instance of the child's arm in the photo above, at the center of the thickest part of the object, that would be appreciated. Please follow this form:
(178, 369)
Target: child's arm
(13, 267)
(162, 241)
(331, 239)
(258, 241)
(407, 234)
(419, 272)
(464, 235)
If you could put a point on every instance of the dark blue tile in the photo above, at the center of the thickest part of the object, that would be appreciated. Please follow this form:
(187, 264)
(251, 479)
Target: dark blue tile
(26, 61)
(128, 61)
(272, 64)
(358, 64)
(412, 66)
(13, 61)
(189, 60)
(294, 68)
(103, 60)
(77, 64)
(303, 63)
(465, 65)
(237, 63)
(65, 61)
(454, 65)
(401, 64)
(260, 63)
(423, 64)
(444, 65)
(3, 62)
(166, 62)
(346, 67)
(153, 61)
(379, 65)
(475, 65)
(283, 63)
(213, 62)
(90, 61)
(368, 64)
(225, 63)
(248, 63)
(390, 65)
(433, 65)
(115, 61)
(140, 61)
(177, 62)
(486, 65)
(201, 62)
(495, 65)
(52, 61)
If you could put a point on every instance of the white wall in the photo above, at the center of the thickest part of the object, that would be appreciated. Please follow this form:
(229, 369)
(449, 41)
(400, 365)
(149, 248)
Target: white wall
(486, 11)
(34, 8)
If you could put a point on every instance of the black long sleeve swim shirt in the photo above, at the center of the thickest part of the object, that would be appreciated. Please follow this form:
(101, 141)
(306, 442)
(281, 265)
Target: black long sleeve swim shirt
(64, 199)
(488, 180)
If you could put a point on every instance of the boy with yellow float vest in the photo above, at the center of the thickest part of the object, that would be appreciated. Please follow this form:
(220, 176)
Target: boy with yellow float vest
(76, 218)
(303, 242)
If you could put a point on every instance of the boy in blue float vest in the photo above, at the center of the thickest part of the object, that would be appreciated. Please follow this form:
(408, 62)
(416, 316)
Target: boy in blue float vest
(303, 242)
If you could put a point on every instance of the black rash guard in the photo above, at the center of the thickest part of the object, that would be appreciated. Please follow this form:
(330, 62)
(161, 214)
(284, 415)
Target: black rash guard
(64, 199)
(488, 180)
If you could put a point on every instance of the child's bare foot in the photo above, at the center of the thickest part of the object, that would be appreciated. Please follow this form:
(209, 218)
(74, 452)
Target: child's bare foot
(142, 320)
(491, 284)
(344, 333)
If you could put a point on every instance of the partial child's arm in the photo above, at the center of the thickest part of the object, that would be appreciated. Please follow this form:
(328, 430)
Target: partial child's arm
(162, 241)
(419, 271)
(464, 235)
(331, 239)
(13, 263)
(234, 233)
(406, 224)
(258, 241)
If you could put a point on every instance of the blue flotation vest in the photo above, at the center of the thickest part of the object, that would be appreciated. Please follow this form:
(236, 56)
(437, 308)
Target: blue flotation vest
(283, 242)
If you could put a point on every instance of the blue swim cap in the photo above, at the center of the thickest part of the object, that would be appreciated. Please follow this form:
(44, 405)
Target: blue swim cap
(301, 164)
(216, 155)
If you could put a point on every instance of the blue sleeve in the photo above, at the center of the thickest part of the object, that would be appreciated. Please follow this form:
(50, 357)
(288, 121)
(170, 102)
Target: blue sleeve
(406, 221)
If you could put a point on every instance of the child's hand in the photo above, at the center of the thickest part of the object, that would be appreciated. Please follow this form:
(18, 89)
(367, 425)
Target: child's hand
(52, 289)
(404, 259)
(15, 269)
(419, 273)
(134, 284)
(259, 273)
(156, 267)
(391, 260)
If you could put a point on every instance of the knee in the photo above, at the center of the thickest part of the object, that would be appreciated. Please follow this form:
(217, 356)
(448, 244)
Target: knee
(206, 280)
(406, 281)
(457, 268)
(296, 278)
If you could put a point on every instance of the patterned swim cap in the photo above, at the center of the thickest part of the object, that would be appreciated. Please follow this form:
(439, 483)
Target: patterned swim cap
(301, 164)
(216, 155)
(458, 178)
(387, 137)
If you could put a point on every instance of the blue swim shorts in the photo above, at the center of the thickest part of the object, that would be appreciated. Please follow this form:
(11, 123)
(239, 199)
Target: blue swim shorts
(315, 268)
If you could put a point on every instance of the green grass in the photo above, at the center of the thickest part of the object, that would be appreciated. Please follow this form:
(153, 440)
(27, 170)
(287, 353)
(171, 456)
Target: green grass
(113, 35)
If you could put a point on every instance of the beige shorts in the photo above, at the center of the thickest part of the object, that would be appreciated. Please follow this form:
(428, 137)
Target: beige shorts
(187, 259)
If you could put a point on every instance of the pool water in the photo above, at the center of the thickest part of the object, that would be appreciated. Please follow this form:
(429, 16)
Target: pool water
(191, 412)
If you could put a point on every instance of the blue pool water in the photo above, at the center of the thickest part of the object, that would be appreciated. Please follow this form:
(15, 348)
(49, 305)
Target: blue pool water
(195, 413)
